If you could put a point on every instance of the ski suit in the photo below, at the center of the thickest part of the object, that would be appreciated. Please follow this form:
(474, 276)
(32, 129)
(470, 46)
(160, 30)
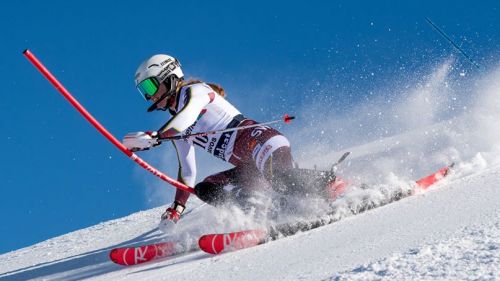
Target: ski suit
(255, 152)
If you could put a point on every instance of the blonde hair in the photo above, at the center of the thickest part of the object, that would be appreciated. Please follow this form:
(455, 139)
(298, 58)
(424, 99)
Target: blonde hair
(216, 87)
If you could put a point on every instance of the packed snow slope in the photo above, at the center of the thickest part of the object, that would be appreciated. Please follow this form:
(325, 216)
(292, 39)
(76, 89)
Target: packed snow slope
(451, 232)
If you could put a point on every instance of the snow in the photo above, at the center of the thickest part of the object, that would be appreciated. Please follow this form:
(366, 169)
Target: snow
(470, 254)
(451, 232)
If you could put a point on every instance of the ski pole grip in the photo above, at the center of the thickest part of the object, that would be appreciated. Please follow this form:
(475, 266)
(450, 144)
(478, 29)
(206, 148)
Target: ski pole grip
(287, 118)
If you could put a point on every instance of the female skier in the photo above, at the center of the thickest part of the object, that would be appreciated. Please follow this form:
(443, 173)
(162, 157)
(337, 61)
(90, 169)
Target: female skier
(195, 106)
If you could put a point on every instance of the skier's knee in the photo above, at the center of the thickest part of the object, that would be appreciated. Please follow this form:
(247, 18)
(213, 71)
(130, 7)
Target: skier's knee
(211, 193)
(280, 160)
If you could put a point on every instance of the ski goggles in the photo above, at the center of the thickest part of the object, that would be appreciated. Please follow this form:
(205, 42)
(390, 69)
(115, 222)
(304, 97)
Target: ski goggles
(148, 87)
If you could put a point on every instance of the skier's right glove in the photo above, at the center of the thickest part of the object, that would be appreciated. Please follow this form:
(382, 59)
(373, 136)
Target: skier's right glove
(138, 141)
(173, 213)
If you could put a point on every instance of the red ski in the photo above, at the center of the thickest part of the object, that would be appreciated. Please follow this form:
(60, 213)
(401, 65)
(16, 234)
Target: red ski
(226, 242)
(141, 254)
(425, 182)
(217, 243)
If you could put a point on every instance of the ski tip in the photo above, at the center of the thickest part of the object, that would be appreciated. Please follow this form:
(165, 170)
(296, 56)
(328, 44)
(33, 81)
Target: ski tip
(26, 51)
(431, 179)
(115, 257)
(205, 244)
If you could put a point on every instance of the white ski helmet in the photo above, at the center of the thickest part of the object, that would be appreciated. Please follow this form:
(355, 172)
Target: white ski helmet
(156, 70)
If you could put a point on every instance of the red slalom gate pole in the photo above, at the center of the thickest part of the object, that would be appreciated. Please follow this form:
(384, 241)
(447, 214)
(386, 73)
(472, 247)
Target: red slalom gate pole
(52, 79)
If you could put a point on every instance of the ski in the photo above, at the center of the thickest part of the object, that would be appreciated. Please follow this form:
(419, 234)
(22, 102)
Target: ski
(225, 242)
(217, 243)
(425, 182)
(148, 252)
(141, 254)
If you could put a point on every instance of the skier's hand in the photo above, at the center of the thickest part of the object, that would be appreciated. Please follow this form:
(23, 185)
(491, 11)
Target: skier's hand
(138, 141)
(173, 213)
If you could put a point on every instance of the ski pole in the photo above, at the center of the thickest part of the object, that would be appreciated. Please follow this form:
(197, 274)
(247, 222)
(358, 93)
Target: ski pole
(286, 119)
(445, 36)
(52, 79)
(341, 159)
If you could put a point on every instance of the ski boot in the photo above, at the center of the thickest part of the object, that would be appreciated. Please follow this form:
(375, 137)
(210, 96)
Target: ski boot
(171, 216)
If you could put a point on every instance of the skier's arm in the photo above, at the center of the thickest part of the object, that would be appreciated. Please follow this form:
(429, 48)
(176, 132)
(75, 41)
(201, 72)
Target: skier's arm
(195, 100)
(187, 168)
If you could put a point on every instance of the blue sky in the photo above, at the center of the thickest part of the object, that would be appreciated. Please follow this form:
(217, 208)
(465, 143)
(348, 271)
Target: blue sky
(58, 174)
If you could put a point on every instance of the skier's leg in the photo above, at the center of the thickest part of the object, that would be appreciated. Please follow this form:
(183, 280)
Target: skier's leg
(211, 189)
(284, 178)
(267, 150)
(270, 152)
(279, 160)
(244, 179)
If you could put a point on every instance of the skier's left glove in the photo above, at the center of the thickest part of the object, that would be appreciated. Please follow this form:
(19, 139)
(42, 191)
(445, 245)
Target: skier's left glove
(138, 141)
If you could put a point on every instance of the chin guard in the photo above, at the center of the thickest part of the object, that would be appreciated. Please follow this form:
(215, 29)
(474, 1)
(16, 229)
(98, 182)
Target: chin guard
(171, 83)
(154, 106)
